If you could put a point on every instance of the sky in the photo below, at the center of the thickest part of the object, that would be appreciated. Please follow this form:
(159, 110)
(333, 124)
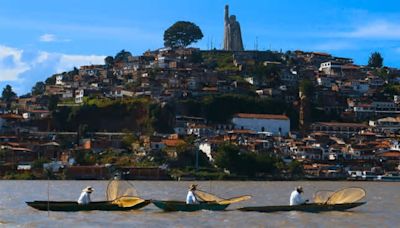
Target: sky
(42, 37)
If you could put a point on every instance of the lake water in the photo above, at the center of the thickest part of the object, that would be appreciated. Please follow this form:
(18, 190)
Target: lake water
(382, 208)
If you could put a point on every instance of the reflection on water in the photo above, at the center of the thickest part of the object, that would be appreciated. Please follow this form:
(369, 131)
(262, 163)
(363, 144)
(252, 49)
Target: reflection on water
(381, 210)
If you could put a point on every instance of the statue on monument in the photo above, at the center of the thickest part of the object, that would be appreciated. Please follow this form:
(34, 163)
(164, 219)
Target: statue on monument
(232, 33)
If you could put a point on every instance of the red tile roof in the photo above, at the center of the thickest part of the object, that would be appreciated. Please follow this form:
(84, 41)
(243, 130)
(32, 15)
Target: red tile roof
(173, 142)
(261, 116)
(338, 124)
(11, 116)
(390, 154)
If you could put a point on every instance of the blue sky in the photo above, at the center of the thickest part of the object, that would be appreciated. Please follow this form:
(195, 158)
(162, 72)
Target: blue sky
(42, 37)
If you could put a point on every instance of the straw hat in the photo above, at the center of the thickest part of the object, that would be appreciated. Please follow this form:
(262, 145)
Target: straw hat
(299, 189)
(88, 189)
(192, 187)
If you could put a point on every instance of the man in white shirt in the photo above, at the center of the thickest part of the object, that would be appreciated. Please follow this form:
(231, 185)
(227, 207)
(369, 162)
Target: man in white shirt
(190, 197)
(84, 198)
(295, 197)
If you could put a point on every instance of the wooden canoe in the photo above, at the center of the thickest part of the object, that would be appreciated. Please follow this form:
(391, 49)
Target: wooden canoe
(74, 206)
(182, 206)
(312, 207)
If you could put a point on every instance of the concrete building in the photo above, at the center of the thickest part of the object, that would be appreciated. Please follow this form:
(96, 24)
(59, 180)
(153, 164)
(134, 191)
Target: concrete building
(276, 124)
(336, 128)
(391, 124)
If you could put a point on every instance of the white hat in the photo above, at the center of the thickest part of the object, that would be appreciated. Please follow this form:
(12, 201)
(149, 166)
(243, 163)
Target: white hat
(88, 189)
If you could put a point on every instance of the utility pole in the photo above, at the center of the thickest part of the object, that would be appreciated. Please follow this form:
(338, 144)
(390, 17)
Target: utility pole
(197, 144)
(197, 159)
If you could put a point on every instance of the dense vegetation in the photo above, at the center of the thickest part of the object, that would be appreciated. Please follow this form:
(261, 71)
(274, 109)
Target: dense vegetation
(105, 115)
(221, 108)
(182, 34)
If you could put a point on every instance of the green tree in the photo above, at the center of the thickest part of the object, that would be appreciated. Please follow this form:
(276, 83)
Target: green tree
(128, 139)
(53, 102)
(375, 60)
(109, 61)
(307, 88)
(39, 88)
(122, 56)
(8, 94)
(162, 117)
(231, 158)
(295, 168)
(182, 34)
(51, 80)
(196, 57)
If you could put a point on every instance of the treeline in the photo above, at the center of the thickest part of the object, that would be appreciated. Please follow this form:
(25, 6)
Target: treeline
(104, 115)
(245, 163)
(139, 114)
(221, 108)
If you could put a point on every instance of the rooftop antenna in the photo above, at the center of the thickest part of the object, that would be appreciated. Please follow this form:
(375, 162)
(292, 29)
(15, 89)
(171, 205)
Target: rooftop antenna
(256, 44)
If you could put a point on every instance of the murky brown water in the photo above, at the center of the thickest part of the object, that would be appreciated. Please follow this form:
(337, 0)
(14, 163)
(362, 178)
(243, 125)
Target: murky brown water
(382, 208)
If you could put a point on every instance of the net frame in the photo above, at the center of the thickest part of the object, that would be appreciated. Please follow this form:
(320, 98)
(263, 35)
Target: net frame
(322, 196)
(340, 196)
(117, 189)
(208, 197)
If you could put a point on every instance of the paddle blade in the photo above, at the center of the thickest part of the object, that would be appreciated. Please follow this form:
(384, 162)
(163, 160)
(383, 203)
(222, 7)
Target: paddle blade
(207, 197)
(128, 201)
(234, 200)
(117, 189)
(322, 196)
(347, 195)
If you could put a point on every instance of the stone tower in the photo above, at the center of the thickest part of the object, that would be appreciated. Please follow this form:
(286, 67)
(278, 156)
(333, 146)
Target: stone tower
(232, 33)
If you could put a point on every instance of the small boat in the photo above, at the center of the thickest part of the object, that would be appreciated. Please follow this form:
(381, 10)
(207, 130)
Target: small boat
(182, 206)
(74, 206)
(312, 207)
(390, 177)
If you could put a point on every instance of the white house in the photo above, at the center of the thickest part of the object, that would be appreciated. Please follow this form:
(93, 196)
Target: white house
(79, 93)
(276, 124)
(59, 79)
(206, 148)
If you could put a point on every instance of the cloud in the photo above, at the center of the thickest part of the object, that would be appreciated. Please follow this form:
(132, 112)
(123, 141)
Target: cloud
(47, 38)
(51, 38)
(67, 62)
(334, 46)
(23, 69)
(11, 64)
(135, 32)
(42, 57)
(380, 29)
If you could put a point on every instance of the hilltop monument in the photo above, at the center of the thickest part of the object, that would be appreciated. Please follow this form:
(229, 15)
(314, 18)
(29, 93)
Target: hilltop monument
(232, 33)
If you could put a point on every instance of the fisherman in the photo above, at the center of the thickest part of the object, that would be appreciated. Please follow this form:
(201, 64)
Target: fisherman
(191, 198)
(84, 198)
(295, 197)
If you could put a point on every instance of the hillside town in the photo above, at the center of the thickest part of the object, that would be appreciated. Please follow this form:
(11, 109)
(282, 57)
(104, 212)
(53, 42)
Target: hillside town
(331, 117)
(181, 112)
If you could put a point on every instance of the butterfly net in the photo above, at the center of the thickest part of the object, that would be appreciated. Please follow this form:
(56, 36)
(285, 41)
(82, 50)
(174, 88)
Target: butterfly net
(208, 197)
(122, 193)
(347, 195)
(322, 196)
(117, 189)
